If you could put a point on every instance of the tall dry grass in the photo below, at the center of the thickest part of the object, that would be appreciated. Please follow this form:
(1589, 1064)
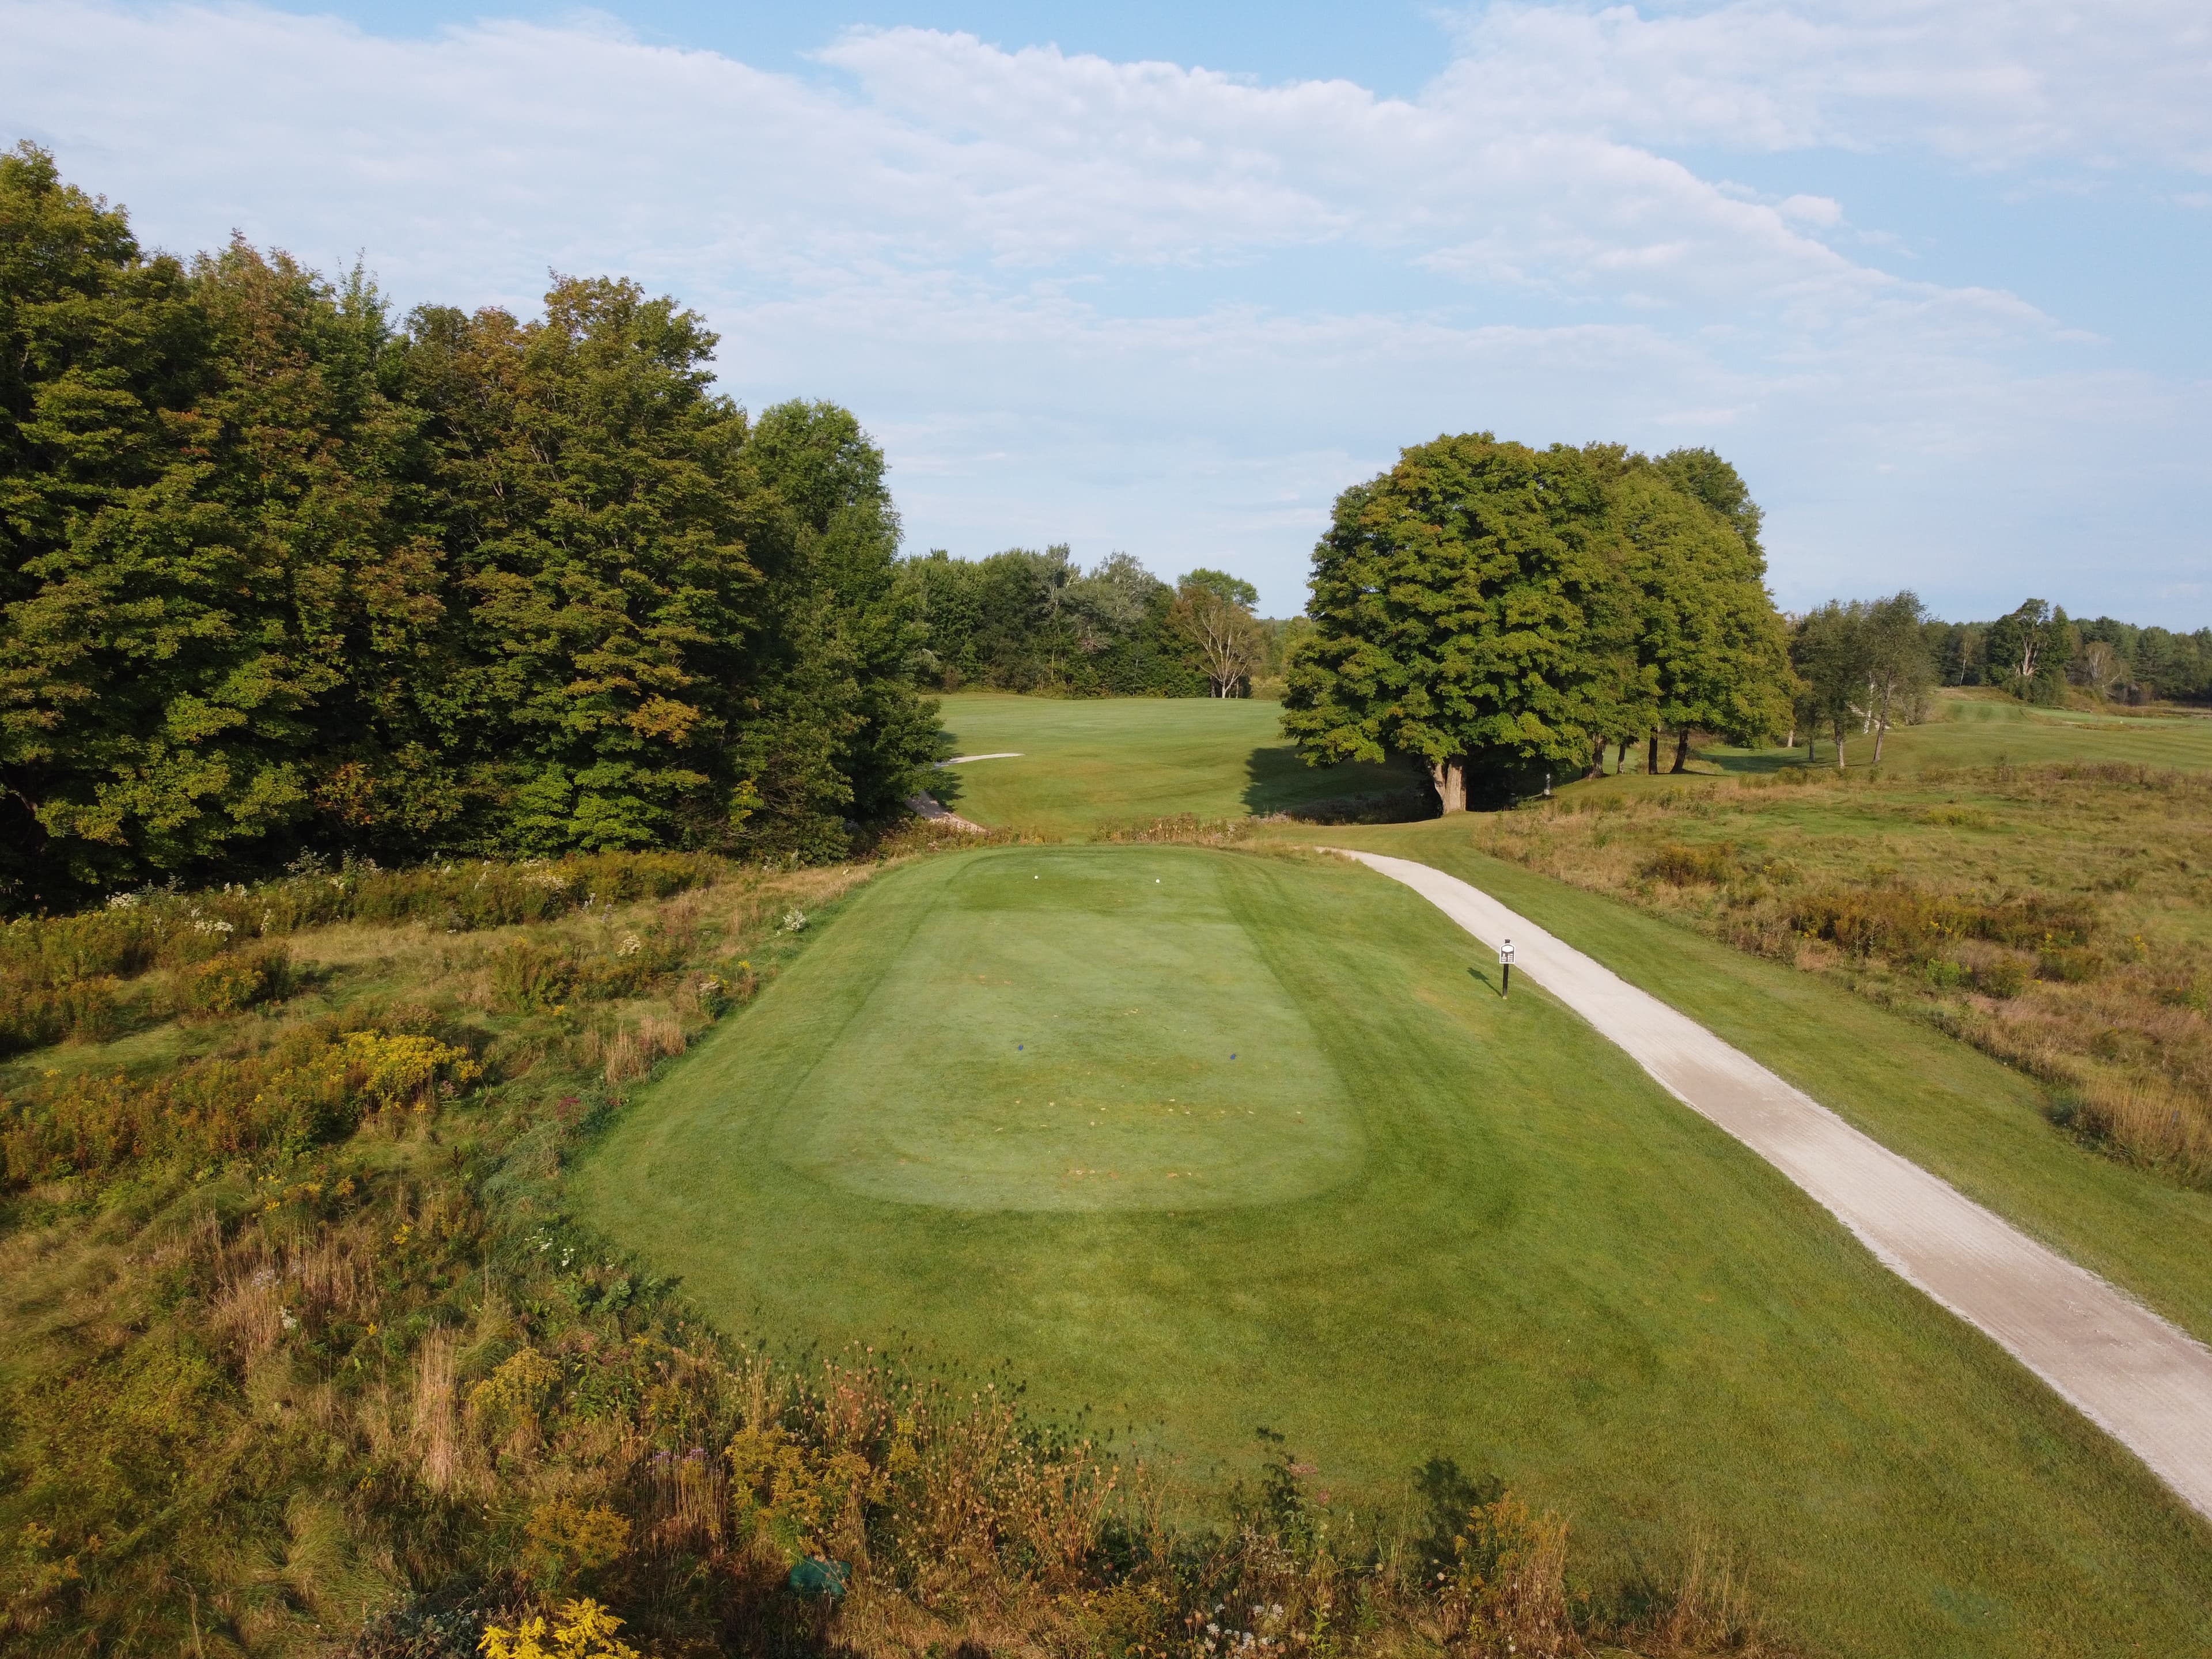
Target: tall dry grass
(2077, 959)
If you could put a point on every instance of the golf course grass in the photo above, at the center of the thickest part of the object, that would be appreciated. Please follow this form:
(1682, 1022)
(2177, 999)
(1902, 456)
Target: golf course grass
(1985, 727)
(991, 1116)
(1087, 765)
(1947, 1107)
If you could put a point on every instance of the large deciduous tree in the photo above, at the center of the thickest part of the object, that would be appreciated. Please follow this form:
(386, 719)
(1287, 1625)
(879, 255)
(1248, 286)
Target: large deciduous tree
(207, 539)
(1453, 600)
(2027, 651)
(1212, 614)
(276, 573)
(1711, 651)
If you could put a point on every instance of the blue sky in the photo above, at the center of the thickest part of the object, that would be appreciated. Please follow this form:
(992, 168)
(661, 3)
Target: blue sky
(1166, 279)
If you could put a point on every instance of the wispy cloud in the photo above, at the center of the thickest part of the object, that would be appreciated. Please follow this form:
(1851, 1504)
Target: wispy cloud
(1108, 300)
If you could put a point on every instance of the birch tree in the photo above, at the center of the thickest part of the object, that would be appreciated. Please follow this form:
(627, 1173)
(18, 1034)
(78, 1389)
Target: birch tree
(1213, 613)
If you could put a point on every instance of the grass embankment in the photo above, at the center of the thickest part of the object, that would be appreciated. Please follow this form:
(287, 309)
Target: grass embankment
(993, 1108)
(1089, 765)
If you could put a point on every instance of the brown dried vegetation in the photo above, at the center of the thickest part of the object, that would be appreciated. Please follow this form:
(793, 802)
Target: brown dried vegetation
(2056, 917)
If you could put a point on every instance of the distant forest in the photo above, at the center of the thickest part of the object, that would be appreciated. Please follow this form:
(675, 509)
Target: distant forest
(1029, 621)
(2039, 652)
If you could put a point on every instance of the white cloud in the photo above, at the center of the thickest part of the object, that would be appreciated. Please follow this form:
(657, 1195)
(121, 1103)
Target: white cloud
(1035, 274)
(1989, 82)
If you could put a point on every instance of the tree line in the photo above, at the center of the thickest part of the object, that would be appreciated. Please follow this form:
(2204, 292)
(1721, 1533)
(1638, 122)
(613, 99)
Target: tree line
(1499, 613)
(1870, 664)
(1503, 615)
(282, 572)
(2037, 653)
(1029, 621)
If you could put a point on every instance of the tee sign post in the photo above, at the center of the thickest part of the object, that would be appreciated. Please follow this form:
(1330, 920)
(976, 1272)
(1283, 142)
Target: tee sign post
(1505, 968)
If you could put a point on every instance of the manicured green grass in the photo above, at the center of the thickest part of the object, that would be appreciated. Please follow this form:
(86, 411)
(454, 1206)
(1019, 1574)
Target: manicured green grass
(1089, 764)
(1407, 1218)
(1948, 1108)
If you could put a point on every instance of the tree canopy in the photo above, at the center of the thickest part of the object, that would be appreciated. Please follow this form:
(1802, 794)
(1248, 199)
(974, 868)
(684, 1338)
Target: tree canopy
(284, 573)
(1493, 609)
(1029, 621)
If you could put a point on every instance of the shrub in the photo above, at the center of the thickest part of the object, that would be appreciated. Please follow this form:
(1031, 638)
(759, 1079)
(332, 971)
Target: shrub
(566, 1537)
(1915, 926)
(233, 983)
(312, 1087)
(2069, 964)
(1682, 865)
(2002, 976)
(581, 1630)
(528, 977)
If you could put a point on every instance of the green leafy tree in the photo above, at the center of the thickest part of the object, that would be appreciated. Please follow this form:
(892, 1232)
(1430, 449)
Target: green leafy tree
(1452, 601)
(1029, 621)
(1711, 654)
(1899, 669)
(1212, 614)
(1704, 477)
(840, 731)
(595, 507)
(1828, 648)
(2026, 651)
(205, 543)
(275, 574)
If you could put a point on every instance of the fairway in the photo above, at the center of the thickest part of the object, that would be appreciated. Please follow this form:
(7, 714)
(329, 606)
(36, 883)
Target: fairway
(1089, 764)
(991, 1116)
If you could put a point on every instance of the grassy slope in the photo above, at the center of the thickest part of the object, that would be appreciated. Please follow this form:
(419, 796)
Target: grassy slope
(1530, 1258)
(1983, 727)
(1091, 764)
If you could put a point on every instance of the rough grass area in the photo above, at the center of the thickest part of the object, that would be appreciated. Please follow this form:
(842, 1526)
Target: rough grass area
(1987, 728)
(2056, 915)
(1513, 1250)
(1087, 766)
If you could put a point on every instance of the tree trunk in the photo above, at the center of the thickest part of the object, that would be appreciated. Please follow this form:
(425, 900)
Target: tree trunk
(1682, 751)
(1651, 755)
(1880, 729)
(1792, 744)
(1597, 760)
(1620, 758)
(1451, 779)
(1839, 743)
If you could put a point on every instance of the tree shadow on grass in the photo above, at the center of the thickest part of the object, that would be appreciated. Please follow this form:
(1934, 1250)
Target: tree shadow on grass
(944, 783)
(1277, 780)
(1751, 763)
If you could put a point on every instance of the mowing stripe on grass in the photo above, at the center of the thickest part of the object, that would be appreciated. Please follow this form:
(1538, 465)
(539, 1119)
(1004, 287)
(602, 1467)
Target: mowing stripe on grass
(2141, 1380)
